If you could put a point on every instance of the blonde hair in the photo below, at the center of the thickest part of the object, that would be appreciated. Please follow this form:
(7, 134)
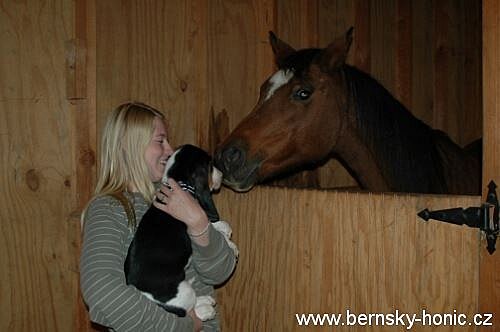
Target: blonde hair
(128, 131)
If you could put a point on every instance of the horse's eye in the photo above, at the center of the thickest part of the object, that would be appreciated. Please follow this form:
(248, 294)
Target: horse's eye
(301, 94)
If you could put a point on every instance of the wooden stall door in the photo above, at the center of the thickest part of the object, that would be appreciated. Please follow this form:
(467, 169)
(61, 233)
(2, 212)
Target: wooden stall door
(325, 252)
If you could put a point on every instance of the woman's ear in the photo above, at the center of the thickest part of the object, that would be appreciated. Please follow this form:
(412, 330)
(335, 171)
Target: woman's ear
(281, 49)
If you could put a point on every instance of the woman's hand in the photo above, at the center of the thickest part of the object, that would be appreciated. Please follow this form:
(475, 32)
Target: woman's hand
(182, 206)
(198, 324)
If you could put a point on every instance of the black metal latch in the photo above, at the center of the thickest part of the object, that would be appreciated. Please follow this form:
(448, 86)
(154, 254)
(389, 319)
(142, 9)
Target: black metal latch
(484, 217)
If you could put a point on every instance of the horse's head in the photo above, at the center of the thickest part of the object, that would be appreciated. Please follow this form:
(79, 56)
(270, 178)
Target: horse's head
(297, 119)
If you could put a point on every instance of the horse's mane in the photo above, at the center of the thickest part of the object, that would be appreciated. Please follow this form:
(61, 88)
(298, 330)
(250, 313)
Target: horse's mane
(405, 147)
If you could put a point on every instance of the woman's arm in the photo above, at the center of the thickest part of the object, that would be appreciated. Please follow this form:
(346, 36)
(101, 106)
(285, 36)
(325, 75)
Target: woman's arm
(216, 261)
(111, 302)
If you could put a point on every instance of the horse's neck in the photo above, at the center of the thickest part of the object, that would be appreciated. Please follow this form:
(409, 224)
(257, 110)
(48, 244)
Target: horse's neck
(463, 168)
(351, 149)
(387, 142)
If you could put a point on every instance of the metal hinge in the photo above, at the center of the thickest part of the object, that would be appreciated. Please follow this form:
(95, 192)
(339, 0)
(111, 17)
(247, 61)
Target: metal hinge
(484, 217)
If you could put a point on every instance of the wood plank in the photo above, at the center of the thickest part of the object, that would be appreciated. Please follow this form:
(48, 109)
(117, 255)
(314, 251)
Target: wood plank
(334, 19)
(304, 251)
(297, 22)
(164, 63)
(404, 52)
(422, 104)
(232, 57)
(195, 87)
(471, 121)
(361, 47)
(84, 132)
(38, 238)
(265, 21)
(113, 58)
(446, 76)
(383, 42)
(457, 43)
(489, 293)
(154, 54)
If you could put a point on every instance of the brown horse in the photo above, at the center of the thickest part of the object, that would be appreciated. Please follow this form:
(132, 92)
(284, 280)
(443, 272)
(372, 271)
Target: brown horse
(316, 107)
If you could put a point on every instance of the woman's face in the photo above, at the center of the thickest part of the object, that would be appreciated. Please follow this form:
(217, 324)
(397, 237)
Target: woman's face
(158, 151)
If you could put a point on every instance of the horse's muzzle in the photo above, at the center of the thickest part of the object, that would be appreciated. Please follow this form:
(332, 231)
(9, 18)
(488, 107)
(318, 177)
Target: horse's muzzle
(239, 173)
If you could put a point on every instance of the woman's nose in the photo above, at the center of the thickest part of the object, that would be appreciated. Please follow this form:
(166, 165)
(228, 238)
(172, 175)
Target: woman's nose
(167, 149)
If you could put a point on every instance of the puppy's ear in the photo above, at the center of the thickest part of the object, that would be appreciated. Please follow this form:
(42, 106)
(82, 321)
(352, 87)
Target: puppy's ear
(205, 196)
(214, 178)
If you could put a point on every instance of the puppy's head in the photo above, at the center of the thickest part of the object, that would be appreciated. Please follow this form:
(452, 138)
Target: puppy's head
(192, 167)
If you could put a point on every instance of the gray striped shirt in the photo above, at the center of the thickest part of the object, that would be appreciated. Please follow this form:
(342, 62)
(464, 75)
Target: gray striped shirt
(121, 307)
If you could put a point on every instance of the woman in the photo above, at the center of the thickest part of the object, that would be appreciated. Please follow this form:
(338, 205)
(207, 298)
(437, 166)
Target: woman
(134, 152)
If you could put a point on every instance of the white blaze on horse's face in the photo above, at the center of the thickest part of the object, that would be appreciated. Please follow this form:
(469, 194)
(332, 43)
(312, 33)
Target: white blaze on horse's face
(280, 78)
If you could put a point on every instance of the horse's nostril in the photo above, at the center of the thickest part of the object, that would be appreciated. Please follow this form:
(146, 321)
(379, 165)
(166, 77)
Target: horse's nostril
(233, 157)
(232, 154)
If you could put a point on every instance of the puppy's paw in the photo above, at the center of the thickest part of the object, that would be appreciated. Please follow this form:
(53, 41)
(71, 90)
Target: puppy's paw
(233, 246)
(204, 307)
(223, 227)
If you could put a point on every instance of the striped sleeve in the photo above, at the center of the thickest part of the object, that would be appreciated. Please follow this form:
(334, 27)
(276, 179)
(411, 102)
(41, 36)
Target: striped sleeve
(214, 262)
(111, 302)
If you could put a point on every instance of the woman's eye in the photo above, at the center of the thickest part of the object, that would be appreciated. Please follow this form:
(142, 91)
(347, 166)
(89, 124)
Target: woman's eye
(301, 94)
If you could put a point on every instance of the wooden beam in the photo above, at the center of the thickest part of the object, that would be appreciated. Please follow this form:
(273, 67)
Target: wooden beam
(489, 281)
(83, 109)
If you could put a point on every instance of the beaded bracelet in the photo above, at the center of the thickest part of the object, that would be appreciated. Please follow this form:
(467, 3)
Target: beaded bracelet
(203, 232)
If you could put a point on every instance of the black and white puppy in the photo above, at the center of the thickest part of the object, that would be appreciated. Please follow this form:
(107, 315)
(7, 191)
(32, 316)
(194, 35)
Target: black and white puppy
(161, 247)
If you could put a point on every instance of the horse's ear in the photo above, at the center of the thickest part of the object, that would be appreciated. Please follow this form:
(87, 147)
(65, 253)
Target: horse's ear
(280, 48)
(335, 54)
